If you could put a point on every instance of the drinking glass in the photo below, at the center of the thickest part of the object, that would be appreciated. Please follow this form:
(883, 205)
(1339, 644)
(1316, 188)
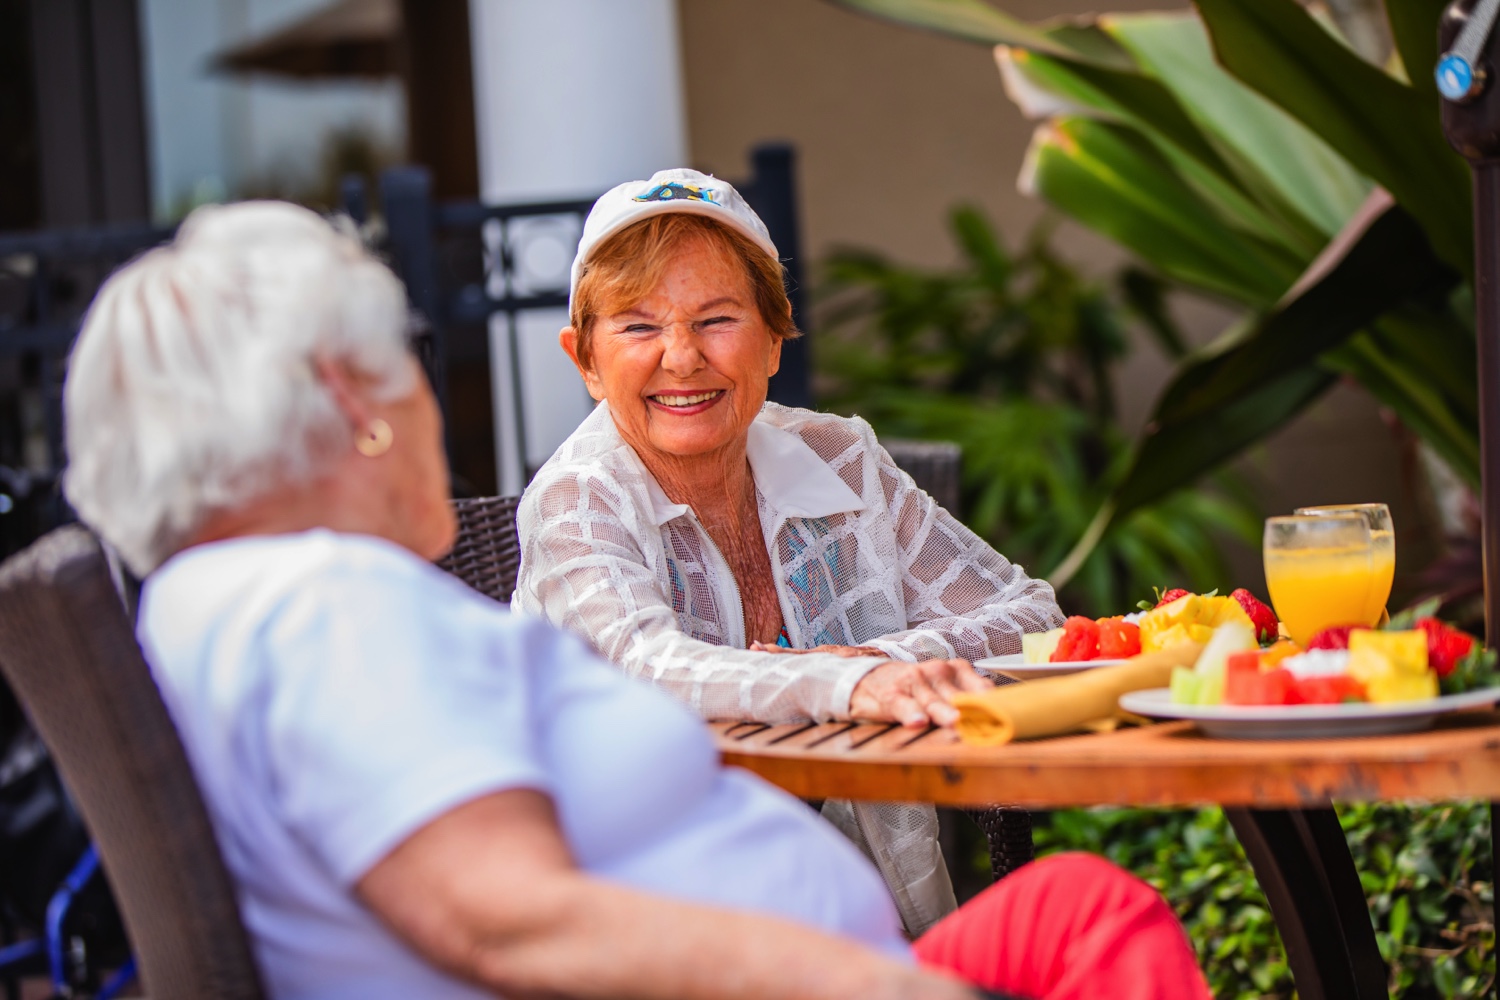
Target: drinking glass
(1383, 536)
(1319, 570)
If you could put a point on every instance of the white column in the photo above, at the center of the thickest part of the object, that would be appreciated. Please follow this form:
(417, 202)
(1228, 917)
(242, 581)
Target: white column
(572, 97)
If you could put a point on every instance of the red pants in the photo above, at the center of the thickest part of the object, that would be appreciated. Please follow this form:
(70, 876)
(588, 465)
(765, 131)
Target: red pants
(1068, 927)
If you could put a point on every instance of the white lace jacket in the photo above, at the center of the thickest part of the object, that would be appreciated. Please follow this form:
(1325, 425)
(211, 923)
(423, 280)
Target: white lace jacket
(860, 556)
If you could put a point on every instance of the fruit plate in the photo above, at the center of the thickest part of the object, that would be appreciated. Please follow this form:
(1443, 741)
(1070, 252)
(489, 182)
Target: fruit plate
(1015, 665)
(1306, 722)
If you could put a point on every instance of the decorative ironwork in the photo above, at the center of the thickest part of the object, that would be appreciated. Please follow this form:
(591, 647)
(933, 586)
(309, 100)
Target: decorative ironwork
(47, 280)
(466, 262)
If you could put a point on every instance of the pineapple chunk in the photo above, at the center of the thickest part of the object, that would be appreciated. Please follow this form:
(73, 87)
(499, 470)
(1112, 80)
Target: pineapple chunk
(1189, 619)
(1392, 665)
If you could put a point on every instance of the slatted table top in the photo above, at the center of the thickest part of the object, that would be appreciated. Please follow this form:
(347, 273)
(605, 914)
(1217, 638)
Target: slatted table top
(1164, 764)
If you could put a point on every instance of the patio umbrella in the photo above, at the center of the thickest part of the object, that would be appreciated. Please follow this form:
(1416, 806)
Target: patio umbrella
(1471, 120)
(359, 38)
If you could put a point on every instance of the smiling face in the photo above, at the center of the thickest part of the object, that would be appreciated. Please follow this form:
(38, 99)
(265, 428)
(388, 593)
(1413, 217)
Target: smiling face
(686, 368)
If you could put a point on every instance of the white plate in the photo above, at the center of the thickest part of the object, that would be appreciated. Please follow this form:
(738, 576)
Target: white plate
(1016, 666)
(1306, 722)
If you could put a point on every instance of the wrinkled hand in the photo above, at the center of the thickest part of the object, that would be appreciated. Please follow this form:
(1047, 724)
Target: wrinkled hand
(914, 694)
(853, 652)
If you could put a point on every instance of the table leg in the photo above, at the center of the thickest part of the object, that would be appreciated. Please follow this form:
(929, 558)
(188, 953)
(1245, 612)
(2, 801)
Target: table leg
(1302, 862)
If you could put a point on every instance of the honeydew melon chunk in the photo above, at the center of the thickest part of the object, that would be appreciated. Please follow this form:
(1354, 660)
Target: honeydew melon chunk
(1038, 647)
(1231, 637)
(1211, 689)
(1185, 686)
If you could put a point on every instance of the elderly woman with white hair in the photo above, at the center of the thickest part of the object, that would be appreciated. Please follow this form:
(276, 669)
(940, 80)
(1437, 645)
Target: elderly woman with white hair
(699, 536)
(418, 793)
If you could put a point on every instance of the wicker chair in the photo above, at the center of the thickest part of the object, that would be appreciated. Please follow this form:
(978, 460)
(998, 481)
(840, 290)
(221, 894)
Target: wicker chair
(487, 553)
(487, 556)
(68, 651)
(937, 467)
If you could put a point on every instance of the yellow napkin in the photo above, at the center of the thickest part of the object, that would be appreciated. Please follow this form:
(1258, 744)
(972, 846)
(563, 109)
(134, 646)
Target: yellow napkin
(1056, 705)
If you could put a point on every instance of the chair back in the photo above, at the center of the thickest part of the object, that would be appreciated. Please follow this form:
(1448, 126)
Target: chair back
(935, 466)
(68, 652)
(487, 553)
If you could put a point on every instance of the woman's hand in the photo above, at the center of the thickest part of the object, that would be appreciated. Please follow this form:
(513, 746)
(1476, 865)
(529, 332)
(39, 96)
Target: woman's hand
(914, 694)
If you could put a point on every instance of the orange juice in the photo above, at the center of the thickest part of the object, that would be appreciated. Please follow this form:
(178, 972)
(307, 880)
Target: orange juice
(1382, 573)
(1317, 588)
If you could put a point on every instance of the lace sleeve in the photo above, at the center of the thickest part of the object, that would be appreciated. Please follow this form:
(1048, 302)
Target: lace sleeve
(585, 568)
(963, 599)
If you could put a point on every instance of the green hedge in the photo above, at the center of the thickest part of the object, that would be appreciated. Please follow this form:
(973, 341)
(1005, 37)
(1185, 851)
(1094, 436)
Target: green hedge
(1426, 872)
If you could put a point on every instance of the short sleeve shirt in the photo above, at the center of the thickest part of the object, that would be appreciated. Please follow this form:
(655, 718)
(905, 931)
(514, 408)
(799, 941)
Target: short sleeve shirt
(335, 694)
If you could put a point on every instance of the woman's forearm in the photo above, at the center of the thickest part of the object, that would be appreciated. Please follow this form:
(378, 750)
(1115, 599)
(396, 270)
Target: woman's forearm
(490, 893)
(719, 682)
(606, 941)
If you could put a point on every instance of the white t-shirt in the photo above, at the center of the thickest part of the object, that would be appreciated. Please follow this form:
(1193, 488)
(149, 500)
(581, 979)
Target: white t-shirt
(335, 694)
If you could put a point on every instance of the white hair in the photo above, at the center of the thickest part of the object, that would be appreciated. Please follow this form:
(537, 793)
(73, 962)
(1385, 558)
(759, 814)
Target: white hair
(192, 388)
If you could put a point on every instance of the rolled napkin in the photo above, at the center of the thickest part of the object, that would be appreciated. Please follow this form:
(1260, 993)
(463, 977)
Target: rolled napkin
(1056, 705)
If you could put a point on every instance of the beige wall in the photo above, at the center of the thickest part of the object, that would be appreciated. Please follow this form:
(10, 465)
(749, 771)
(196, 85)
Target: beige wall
(894, 127)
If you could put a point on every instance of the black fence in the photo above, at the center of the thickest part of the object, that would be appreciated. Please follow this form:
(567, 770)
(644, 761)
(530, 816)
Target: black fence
(463, 264)
(47, 280)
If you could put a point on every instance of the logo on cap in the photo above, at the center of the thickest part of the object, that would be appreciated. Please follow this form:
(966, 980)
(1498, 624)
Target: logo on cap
(680, 192)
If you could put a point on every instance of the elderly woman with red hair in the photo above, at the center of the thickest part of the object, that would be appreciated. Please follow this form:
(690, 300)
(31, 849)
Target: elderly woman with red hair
(698, 536)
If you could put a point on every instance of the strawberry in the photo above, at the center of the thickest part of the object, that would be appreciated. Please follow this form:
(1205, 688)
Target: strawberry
(1172, 595)
(1445, 645)
(1267, 628)
(1336, 637)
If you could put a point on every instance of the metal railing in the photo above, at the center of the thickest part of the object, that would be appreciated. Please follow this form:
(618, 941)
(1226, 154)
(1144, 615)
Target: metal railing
(47, 280)
(466, 262)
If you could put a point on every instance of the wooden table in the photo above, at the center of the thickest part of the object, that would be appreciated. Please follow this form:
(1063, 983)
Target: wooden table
(1276, 794)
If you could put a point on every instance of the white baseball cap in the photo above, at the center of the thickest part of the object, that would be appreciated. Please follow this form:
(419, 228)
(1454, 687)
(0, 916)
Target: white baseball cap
(678, 190)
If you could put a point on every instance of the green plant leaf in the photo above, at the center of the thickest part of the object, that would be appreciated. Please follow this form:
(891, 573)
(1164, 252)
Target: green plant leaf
(1086, 42)
(1176, 454)
(1126, 96)
(1112, 180)
(1010, 354)
(1414, 28)
(1296, 175)
(976, 237)
(970, 20)
(1414, 401)
(1381, 261)
(1383, 127)
(1259, 376)
(1146, 294)
(1042, 87)
(1439, 351)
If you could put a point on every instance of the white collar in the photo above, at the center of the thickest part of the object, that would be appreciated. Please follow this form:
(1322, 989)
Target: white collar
(788, 473)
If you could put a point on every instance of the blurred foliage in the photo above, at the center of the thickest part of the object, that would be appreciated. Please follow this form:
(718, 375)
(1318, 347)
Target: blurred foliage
(353, 150)
(1245, 150)
(1426, 870)
(1012, 355)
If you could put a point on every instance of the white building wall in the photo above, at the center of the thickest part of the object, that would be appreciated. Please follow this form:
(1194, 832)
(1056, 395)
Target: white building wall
(572, 98)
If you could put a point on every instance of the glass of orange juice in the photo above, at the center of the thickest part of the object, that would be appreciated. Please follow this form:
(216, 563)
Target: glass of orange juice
(1383, 537)
(1319, 570)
